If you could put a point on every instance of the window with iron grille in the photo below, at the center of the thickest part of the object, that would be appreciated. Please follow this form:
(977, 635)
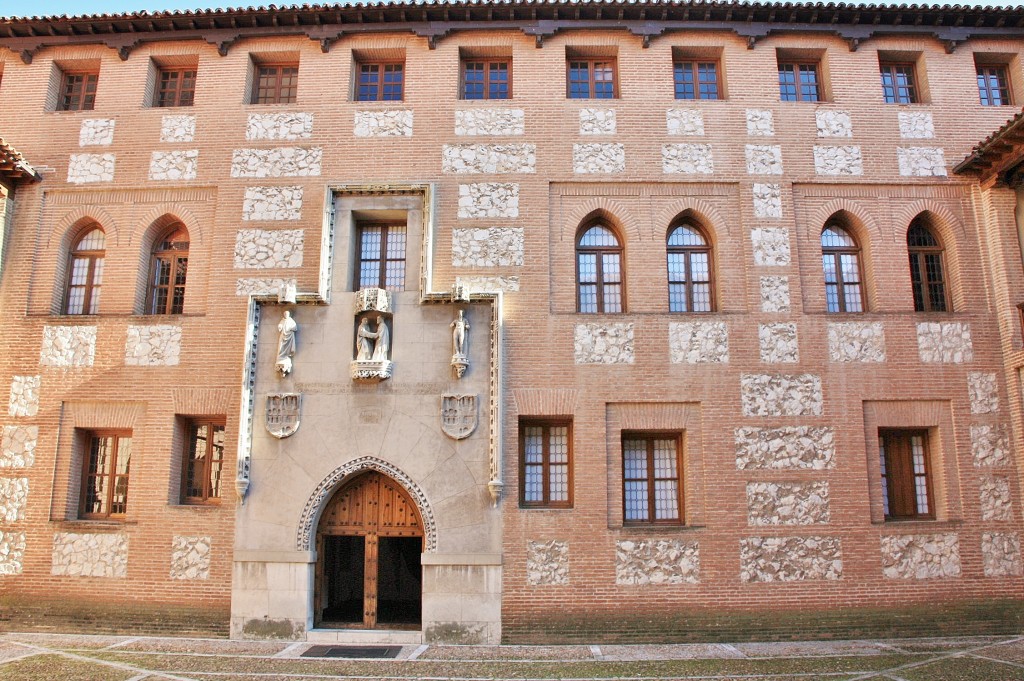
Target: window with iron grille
(905, 467)
(276, 83)
(927, 276)
(899, 82)
(993, 84)
(592, 79)
(380, 81)
(381, 249)
(78, 91)
(840, 258)
(204, 460)
(168, 272)
(652, 491)
(689, 270)
(545, 463)
(107, 466)
(85, 272)
(697, 80)
(799, 82)
(599, 271)
(487, 78)
(175, 87)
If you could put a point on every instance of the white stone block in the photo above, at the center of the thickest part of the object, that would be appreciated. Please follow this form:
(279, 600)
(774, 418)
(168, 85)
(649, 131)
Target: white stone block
(547, 563)
(990, 445)
(153, 345)
(488, 284)
(24, 396)
(983, 392)
(994, 495)
(786, 448)
(272, 203)
(775, 294)
(845, 160)
(490, 122)
(771, 246)
(1000, 552)
(492, 159)
(916, 125)
(787, 503)
(86, 168)
(190, 557)
(96, 132)
(279, 126)
(13, 499)
(18, 446)
(603, 343)
(921, 161)
(764, 159)
(920, 556)
(698, 342)
(90, 555)
(655, 562)
(178, 129)
(174, 165)
(687, 159)
(489, 200)
(276, 162)
(598, 158)
(597, 121)
(832, 123)
(12, 552)
(781, 395)
(778, 343)
(493, 247)
(687, 122)
(760, 123)
(68, 346)
(266, 249)
(383, 123)
(856, 342)
(790, 559)
(944, 342)
(261, 287)
(767, 200)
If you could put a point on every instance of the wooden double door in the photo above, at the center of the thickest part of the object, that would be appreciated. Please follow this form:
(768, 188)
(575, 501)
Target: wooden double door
(369, 542)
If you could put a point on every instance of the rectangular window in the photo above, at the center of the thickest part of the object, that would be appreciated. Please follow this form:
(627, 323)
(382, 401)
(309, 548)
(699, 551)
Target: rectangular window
(380, 82)
(993, 84)
(904, 460)
(204, 461)
(107, 465)
(651, 483)
(381, 251)
(545, 464)
(275, 83)
(78, 91)
(899, 84)
(487, 78)
(175, 87)
(697, 80)
(592, 79)
(799, 82)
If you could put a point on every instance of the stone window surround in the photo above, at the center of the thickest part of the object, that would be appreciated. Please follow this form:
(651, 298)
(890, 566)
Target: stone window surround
(935, 417)
(352, 208)
(682, 419)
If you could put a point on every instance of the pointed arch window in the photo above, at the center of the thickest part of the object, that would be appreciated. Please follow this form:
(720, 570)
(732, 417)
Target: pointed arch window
(85, 272)
(689, 270)
(599, 271)
(168, 271)
(840, 258)
(927, 273)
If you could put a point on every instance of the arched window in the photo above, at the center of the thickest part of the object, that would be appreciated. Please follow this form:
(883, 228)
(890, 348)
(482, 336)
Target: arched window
(167, 273)
(85, 272)
(689, 270)
(927, 274)
(599, 271)
(840, 257)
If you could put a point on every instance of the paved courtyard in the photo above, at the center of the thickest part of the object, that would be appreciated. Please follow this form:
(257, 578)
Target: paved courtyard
(66, 657)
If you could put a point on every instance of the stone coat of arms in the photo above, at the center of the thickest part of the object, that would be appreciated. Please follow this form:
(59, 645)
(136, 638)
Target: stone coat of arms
(282, 415)
(458, 415)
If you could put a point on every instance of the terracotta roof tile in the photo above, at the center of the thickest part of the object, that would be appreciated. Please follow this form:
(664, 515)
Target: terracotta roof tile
(13, 165)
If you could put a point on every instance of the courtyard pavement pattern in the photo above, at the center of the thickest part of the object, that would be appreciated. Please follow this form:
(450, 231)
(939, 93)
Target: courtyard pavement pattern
(74, 657)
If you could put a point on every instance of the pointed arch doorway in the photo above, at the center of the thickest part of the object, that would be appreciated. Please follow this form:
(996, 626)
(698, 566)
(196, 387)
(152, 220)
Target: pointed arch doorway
(369, 540)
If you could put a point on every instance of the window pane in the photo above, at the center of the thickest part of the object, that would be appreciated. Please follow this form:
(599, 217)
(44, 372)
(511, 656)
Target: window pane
(666, 500)
(787, 83)
(837, 237)
(473, 80)
(636, 500)
(686, 236)
(634, 453)
(920, 474)
(684, 81)
(599, 237)
(587, 267)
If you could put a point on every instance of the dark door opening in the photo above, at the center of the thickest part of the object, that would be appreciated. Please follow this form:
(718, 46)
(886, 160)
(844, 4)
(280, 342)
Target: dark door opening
(399, 580)
(343, 579)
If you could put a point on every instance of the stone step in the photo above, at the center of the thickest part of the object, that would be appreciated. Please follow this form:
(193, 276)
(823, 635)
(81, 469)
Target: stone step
(365, 636)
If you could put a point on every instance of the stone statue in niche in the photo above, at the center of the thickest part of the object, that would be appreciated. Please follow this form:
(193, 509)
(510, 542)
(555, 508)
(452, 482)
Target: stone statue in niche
(286, 343)
(373, 347)
(460, 335)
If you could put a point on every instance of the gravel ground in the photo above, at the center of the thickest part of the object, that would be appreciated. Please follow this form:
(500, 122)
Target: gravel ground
(54, 657)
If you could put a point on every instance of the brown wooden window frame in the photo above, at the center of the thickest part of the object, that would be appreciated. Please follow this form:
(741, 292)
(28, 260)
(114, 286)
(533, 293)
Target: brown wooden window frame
(382, 255)
(599, 278)
(488, 82)
(687, 254)
(117, 440)
(545, 424)
(835, 253)
(278, 92)
(177, 91)
(203, 468)
(893, 69)
(379, 89)
(921, 279)
(78, 90)
(901, 479)
(93, 283)
(693, 68)
(798, 66)
(592, 81)
(1003, 90)
(168, 257)
(650, 437)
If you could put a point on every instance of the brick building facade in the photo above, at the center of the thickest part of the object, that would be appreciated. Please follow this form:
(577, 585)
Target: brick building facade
(742, 354)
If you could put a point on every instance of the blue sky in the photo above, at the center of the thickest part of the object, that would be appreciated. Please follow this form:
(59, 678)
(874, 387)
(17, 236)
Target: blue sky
(79, 7)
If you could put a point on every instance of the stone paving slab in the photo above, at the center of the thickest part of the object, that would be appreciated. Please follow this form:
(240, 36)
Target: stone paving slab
(935, 645)
(687, 651)
(204, 646)
(67, 641)
(9, 651)
(1010, 652)
(812, 648)
(507, 653)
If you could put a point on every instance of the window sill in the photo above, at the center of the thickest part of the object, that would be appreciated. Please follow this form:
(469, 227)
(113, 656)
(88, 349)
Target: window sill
(207, 506)
(93, 523)
(657, 529)
(921, 525)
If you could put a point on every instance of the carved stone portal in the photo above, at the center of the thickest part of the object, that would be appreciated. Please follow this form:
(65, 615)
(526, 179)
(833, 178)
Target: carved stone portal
(282, 415)
(458, 415)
